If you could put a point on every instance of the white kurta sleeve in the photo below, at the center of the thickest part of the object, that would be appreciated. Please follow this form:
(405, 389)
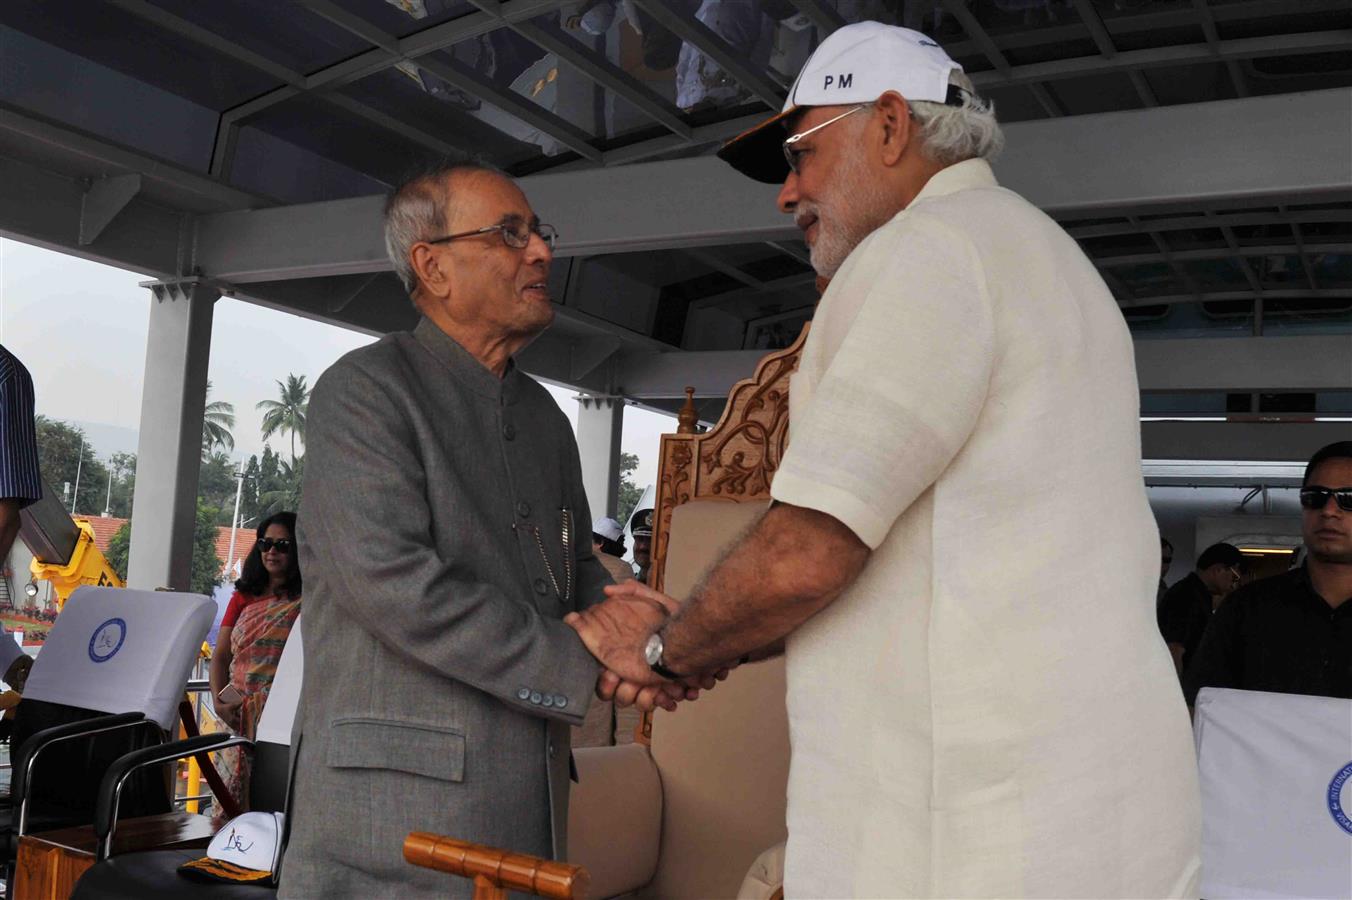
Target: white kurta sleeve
(899, 396)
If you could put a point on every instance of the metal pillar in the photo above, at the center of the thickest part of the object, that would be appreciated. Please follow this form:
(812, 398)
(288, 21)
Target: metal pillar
(600, 423)
(169, 454)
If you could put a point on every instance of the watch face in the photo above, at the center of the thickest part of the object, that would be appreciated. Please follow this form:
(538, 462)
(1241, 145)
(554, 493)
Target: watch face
(653, 651)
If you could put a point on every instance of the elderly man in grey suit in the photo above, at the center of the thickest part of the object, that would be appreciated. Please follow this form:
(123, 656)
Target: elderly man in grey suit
(444, 536)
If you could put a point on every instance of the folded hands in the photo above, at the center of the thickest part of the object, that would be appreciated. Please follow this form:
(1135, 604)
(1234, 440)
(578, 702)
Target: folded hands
(616, 632)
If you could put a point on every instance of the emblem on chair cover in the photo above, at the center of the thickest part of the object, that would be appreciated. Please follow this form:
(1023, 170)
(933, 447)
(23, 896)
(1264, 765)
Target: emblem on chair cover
(107, 640)
(1337, 790)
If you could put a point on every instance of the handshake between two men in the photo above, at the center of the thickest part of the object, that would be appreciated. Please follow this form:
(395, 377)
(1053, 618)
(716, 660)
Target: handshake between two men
(616, 631)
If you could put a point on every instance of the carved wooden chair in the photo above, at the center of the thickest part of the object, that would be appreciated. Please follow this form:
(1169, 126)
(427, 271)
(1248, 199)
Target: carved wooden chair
(686, 810)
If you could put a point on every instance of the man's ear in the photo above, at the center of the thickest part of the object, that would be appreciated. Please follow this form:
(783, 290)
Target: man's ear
(427, 266)
(895, 116)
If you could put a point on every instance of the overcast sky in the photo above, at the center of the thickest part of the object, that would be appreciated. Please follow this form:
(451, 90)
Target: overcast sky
(80, 328)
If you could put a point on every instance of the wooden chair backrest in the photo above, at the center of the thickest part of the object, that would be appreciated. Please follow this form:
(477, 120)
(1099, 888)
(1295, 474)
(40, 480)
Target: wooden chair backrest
(724, 759)
(736, 460)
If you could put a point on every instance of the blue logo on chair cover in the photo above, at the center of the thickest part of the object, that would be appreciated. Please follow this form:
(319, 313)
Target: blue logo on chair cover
(1335, 798)
(107, 640)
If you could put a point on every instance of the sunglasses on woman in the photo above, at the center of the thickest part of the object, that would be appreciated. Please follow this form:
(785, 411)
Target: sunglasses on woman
(281, 545)
(1316, 496)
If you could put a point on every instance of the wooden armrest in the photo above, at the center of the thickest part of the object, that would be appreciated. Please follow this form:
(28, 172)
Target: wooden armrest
(496, 871)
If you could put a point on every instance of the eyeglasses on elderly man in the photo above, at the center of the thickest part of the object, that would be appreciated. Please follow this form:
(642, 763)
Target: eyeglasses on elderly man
(514, 232)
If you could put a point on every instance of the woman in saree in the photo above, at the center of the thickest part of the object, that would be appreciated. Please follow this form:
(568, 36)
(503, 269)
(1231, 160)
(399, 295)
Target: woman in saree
(253, 632)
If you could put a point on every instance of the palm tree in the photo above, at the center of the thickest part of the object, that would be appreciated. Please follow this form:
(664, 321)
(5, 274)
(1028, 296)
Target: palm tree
(217, 420)
(287, 414)
(286, 497)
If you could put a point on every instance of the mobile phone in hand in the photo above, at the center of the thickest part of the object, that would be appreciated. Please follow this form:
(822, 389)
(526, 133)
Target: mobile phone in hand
(230, 694)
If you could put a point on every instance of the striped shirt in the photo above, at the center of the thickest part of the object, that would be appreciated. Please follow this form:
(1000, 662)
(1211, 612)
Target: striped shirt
(19, 477)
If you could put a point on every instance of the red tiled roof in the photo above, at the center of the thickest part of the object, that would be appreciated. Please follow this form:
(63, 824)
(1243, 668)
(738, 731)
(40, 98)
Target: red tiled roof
(105, 528)
(244, 538)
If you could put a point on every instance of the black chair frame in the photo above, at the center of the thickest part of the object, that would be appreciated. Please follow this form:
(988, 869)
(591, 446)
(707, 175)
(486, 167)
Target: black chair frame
(26, 760)
(110, 790)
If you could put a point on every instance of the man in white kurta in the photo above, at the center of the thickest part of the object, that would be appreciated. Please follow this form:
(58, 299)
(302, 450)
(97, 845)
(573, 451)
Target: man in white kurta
(988, 709)
(983, 706)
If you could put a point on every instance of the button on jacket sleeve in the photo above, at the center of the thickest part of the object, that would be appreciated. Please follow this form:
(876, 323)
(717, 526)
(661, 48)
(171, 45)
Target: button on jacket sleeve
(366, 515)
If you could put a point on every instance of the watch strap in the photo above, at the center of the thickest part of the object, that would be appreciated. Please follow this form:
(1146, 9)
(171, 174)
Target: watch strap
(666, 673)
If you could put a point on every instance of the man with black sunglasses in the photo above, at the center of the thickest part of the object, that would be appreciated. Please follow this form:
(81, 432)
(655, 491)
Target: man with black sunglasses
(1292, 633)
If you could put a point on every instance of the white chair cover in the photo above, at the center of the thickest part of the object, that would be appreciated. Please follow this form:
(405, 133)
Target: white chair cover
(274, 726)
(10, 649)
(1276, 773)
(118, 650)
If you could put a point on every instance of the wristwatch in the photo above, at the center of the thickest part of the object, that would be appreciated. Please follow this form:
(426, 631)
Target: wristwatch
(653, 654)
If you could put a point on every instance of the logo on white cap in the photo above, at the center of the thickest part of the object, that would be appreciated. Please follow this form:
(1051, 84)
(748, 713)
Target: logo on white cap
(252, 840)
(861, 62)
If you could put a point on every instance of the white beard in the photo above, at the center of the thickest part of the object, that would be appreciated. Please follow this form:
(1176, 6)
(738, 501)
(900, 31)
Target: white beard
(851, 215)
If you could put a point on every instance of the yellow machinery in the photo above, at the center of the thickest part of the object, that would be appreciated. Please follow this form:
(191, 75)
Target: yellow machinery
(86, 565)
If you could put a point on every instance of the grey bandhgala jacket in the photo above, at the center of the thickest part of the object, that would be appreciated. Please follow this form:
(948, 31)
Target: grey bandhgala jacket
(440, 681)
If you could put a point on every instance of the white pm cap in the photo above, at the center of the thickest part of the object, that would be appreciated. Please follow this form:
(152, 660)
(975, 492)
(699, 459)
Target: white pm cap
(245, 850)
(856, 64)
(608, 528)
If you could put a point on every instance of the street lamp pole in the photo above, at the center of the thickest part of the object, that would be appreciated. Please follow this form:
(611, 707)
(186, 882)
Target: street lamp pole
(230, 554)
(108, 500)
(79, 467)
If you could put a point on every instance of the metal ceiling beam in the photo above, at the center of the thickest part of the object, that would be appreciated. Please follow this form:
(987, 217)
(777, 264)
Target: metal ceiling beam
(104, 199)
(958, 9)
(1230, 251)
(1218, 296)
(48, 210)
(512, 103)
(1182, 274)
(388, 52)
(1214, 220)
(1213, 39)
(1304, 251)
(1104, 41)
(786, 283)
(603, 72)
(204, 37)
(1246, 364)
(789, 250)
(649, 376)
(715, 262)
(1176, 55)
(391, 50)
(1316, 362)
(703, 38)
(293, 83)
(396, 125)
(1241, 260)
(1145, 21)
(461, 77)
(1262, 149)
(1195, 155)
(1284, 441)
(193, 190)
(714, 133)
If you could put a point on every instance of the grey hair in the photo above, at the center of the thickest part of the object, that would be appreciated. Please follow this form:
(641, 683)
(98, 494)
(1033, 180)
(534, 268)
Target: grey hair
(418, 210)
(951, 134)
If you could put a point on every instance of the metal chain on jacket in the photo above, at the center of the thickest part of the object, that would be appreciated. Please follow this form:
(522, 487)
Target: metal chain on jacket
(567, 556)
